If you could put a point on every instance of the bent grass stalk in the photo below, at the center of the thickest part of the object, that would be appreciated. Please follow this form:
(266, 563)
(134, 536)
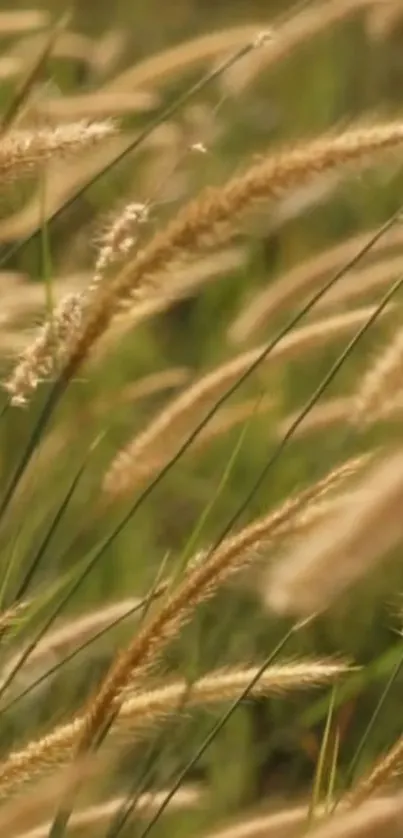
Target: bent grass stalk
(218, 207)
(205, 573)
(138, 713)
(151, 448)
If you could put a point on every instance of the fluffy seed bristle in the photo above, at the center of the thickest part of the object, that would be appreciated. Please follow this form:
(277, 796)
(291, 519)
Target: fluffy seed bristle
(23, 151)
(385, 770)
(47, 352)
(118, 240)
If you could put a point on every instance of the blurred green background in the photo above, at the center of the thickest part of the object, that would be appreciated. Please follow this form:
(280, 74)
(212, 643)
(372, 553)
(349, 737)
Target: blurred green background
(350, 70)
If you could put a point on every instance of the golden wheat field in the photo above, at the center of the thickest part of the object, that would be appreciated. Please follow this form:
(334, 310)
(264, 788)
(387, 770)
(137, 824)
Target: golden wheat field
(201, 406)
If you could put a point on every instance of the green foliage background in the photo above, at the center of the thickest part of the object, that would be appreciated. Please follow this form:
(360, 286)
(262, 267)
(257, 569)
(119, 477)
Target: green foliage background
(342, 75)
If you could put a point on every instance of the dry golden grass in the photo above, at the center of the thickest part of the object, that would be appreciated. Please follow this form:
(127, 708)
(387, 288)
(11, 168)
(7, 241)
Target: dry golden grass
(382, 817)
(21, 152)
(138, 712)
(347, 547)
(307, 276)
(382, 383)
(309, 544)
(217, 208)
(98, 815)
(385, 772)
(152, 447)
(206, 572)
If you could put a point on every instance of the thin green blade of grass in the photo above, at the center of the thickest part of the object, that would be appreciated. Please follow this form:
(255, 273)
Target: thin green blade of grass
(374, 717)
(53, 670)
(11, 113)
(229, 467)
(158, 576)
(40, 553)
(326, 381)
(99, 551)
(230, 391)
(333, 773)
(320, 768)
(37, 558)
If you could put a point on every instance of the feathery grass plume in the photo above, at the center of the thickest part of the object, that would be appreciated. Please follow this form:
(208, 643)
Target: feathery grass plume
(287, 519)
(322, 415)
(138, 712)
(384, 772)
(47, 352)
(68, 176)
(98, 815)
(24, 151)
(361, 282)
(205, 574)
(118, 240)
(184, 281)
(307, 276)
(231, 416)
(217, 208)
(381, 383)
(345, 548)
(62, 639)
(153, 446)
(381, 818)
